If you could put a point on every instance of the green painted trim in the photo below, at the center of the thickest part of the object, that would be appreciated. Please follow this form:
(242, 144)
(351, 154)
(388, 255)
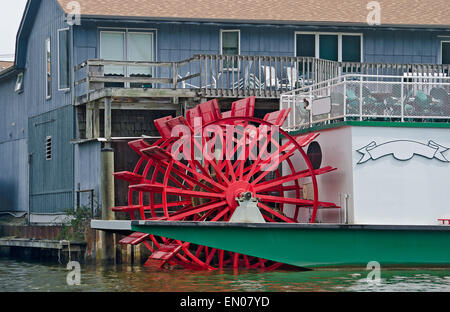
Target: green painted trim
(357, 123)
(318, 245)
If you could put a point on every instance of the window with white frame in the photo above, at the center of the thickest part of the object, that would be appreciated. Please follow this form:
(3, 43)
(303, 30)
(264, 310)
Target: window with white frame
(128, 45)
(445, 52)
(63, 60)
(48, 65)
(230, 44)
(342, 47)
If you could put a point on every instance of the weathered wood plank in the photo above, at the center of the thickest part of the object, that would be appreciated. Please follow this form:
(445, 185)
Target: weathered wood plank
(129, 63)
(89, 126)
(108, 118)
(130, 79)
(150, 105)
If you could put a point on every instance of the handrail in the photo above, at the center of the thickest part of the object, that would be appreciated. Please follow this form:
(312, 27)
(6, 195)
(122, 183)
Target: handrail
(156, 74)
(370, 97)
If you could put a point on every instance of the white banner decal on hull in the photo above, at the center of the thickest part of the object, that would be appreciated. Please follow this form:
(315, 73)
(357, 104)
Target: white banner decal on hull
(403, 150)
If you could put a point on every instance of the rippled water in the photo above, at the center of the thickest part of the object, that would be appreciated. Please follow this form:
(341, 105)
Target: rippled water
(29, 277)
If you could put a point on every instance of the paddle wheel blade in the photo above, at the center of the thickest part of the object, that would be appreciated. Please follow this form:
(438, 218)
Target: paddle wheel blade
(134, 239)
(130, 177)
(157, 153)
(166, 252)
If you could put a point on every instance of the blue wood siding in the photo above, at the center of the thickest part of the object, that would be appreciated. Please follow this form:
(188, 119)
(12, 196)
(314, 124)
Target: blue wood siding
(178, 41)
(49, 19)
(51, 180)
(384, 46)
(14, 176)
(88, 172)
(13, 148)
(16, 109)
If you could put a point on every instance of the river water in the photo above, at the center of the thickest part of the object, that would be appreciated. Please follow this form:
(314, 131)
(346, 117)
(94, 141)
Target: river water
(36, 277)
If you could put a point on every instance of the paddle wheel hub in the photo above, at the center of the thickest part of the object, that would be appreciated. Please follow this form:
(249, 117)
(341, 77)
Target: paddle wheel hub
(237, 190)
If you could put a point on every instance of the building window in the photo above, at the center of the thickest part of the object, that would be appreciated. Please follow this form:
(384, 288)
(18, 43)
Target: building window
(230, 44)
(63, 60)
(306, 45)
(19, 83)
(48, 148)
(340, 47)
(128, 46)
(112, 48)
(48, 65)
(329, 47)
(445, 52)
(351, 48)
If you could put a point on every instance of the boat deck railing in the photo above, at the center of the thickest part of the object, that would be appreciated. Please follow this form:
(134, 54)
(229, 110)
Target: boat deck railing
(402, 98)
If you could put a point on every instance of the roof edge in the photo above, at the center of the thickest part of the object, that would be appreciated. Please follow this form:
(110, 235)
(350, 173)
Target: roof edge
(272, 22)
(8, 72)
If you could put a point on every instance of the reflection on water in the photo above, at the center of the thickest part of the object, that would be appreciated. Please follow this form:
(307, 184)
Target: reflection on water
(29, 277)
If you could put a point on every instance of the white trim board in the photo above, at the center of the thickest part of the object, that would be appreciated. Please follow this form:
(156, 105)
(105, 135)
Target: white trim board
(317, 41)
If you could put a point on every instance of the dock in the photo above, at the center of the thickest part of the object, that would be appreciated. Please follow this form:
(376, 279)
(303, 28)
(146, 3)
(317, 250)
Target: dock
(61, 251)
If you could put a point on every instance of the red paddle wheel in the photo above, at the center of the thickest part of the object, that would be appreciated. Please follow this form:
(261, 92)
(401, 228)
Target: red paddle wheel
(204, 164)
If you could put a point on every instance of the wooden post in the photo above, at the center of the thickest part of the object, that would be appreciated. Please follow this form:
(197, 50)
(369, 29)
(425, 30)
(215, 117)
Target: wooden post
(108, 119)
(89, 111)
(107, 193)
(174, 76)
(96, 120)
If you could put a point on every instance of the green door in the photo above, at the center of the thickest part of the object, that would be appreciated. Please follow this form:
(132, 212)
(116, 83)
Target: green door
(51, 162)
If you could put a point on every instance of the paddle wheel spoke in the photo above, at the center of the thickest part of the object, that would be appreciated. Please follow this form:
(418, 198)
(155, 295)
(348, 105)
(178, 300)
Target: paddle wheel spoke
(286, 200)
(279, 181)
(197, 210)
(254, 166)
(199, 175)
(211, 256)
(275, 213)
(221, 214)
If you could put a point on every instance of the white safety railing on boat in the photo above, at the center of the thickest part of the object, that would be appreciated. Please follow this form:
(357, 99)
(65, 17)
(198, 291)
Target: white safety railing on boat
(421, 98)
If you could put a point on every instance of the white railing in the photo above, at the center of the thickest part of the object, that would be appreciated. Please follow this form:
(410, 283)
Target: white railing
(416, 98)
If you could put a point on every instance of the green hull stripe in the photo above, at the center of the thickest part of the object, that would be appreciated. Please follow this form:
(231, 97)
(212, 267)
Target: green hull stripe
(372, 124)
(316, 247)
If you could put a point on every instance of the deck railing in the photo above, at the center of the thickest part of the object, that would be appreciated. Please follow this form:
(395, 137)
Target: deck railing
(95, 75)
(208, 75)
(260, 76)
(233, 76)
(369, 97)
(389, 69)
